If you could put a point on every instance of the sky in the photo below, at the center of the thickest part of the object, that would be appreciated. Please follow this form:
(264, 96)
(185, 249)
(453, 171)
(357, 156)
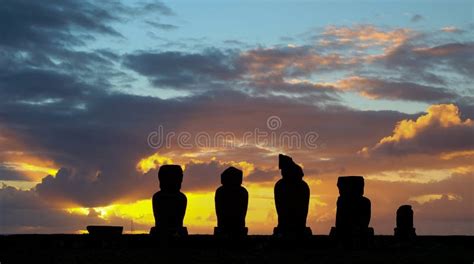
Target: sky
(96, 95)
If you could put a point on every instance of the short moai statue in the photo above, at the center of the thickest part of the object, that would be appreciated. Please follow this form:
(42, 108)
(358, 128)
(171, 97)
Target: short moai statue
(353, 213)
(405, 230)
(291, 200)
(231, 201)
(169, 204)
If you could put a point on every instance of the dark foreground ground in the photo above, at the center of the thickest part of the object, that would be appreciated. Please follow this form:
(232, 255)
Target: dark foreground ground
(207, 249)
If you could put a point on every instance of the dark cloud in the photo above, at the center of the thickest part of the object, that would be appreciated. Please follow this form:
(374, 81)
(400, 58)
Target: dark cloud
(9, 174)
(416, 18)
(38, 85)
(258, 72)
(64, 23)
(52, 24)
(203, 176)
(162, 26)
(234, 42)
(432, 140)
(156, 6)
(184, 70)
(27, 212)
(422, 63)
(393, 90)
(262, 175)
(38, 59)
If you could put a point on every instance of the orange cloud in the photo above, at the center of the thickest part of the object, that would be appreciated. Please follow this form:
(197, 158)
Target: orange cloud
(457, 154)
(364, 36)
(290, 60)
(152, 162)
(15, 157)
(441, 130)
(444, 115)
(39, 167)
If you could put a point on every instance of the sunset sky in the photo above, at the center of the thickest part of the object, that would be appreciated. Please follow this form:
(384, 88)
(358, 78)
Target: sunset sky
(96, 95)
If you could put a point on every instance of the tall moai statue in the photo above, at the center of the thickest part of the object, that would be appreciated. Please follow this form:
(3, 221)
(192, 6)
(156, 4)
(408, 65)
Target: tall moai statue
(405, 230)
(291, 200)
(169, 204)
(231, 201)
(353, 213)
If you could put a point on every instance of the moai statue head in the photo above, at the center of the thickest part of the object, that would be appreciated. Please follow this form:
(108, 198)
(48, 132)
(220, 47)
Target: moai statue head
(231, 177)
(350, 185)
(405, 217)
(289, 169)
(170, 177)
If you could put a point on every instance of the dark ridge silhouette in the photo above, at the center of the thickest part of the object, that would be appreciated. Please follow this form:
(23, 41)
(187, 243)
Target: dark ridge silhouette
(291, 200)
(231, 201)
(207, 249)
(353, 213)
(169, 204)
(405, 230)
(104, 230)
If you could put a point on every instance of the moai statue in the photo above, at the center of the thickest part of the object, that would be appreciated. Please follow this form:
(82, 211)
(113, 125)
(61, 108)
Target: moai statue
(353, 213)
(231, 201)
(405, 230)
(169, 204)
(291, 200)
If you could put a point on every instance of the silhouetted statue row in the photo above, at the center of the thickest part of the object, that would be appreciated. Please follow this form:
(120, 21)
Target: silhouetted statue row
(292, 196)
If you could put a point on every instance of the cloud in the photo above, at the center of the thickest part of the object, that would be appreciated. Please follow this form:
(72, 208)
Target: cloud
(385, 89)
(54, 38)
(25, 212)
(441, 129)
(452, 29)
(424, 62)
(162, 26)
(155, 6)
(287, 70)
(365, 36)
(260, 71)
(53, 24)
(181, 70)
(66, 23)
(263, 175)
(416, 18)
(291, 61)
(203, 176)
(7, 173)
(30, 86)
